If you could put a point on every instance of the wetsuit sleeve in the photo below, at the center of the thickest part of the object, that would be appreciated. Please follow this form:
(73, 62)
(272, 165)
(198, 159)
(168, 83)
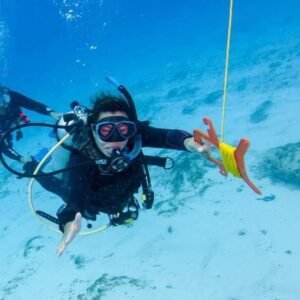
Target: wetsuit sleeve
(164, 138)
(75, 196)
(18, 99)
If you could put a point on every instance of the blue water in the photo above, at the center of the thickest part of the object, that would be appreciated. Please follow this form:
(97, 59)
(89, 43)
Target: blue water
(171, 56)
(56, 51)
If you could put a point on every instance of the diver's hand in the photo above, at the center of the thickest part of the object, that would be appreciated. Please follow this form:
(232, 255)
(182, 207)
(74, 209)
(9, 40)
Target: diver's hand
(71, 229)
(195, 147)
(55, 115)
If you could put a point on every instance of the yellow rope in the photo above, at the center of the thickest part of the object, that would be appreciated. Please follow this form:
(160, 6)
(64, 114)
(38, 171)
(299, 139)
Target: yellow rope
(226, 69)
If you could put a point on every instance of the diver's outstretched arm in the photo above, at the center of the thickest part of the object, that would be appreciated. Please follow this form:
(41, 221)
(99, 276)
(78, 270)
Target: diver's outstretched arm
(71, 229)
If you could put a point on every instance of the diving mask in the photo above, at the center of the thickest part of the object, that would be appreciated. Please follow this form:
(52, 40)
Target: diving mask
(114, 129)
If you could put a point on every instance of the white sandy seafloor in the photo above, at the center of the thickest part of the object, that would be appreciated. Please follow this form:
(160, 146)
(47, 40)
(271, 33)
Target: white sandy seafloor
(208, 238)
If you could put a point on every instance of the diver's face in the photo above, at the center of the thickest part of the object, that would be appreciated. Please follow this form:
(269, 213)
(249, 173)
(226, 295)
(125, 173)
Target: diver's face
(108, 147)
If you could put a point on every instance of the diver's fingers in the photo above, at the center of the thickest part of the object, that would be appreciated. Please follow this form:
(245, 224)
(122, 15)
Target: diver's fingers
(71, 230)
(61, 248)
(193, 146)
(203, 148)
(77, 221)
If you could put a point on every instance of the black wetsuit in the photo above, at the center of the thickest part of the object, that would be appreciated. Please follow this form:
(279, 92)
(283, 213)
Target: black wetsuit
(12, 115)
(88, 191)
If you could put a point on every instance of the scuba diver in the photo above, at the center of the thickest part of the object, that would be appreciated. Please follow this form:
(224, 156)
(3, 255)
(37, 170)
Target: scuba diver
(106, 165)
(12, 115)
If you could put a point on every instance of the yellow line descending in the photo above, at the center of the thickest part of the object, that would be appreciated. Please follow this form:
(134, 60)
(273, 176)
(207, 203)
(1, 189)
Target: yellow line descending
(226, 69)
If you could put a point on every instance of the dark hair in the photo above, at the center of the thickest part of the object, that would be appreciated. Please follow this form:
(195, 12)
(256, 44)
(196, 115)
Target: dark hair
(108, 103)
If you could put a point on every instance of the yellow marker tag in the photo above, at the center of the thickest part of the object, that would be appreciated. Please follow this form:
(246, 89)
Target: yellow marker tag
(227, 154)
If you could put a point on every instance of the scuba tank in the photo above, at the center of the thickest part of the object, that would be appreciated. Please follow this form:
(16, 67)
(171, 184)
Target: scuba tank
(71, 123)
